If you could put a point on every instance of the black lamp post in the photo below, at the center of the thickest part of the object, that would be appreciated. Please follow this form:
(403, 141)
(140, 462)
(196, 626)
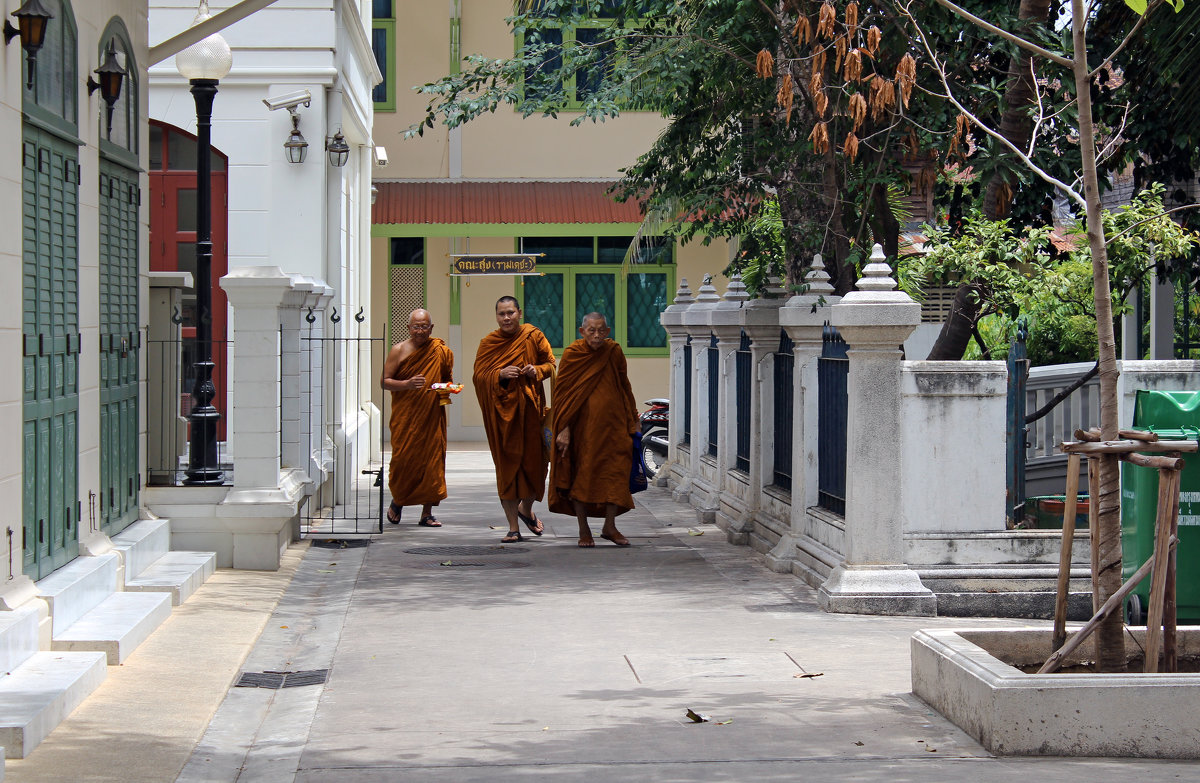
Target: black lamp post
(32, 18)
(203, 64)
(111, 75)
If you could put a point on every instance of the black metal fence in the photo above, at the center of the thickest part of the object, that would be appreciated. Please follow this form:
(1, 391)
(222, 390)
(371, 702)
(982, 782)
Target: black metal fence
(742, 381)
(688, 383)
(714, 379)
(171, 369)
(833, 372)
(781, 414)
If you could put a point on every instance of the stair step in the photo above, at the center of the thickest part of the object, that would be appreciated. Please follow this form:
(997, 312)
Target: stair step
(117, 626)
(18, 637)
(37, 695)
(177, 573)
(143, 542)
(78, 587)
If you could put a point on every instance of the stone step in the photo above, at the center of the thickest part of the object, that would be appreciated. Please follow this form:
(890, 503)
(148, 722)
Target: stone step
(18, 637)
(142, 543)
(177, 573)
(117, 625)
(78, 587)
(37, 695)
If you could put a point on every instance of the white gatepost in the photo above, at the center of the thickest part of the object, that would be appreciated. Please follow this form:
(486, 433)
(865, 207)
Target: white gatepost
(676, 473)
(705, 479)
(760, 322)
(261, 512)
(873, 577)
(803, 318)
(733, 511)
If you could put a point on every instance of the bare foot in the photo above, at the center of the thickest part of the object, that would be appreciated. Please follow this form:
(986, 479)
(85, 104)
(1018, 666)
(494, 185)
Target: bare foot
(616, 537)
(586, 541)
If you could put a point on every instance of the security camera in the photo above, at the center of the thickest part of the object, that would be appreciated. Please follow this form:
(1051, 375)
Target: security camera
(289, 101)
(381, 156)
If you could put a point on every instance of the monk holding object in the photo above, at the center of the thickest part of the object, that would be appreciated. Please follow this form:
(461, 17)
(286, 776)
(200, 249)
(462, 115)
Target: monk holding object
(417, 475)
(510, 366)
(595, 417)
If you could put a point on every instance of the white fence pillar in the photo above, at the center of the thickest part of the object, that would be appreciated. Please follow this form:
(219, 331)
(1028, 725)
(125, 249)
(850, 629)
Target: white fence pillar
(873, 578)
(705, 478)
(676, 473)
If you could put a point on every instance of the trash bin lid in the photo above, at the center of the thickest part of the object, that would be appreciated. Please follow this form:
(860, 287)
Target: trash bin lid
(1166, 409)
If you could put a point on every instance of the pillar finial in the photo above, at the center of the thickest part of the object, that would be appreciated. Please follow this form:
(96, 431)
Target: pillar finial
(877, 275)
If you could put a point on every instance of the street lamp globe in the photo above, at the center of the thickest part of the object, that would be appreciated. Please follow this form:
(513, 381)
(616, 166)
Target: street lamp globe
(206, 59)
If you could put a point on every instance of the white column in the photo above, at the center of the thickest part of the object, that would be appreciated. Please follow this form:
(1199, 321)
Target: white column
(1162, 318)
(676, 472)
(873, 578)
(256, 294)
(803, 318)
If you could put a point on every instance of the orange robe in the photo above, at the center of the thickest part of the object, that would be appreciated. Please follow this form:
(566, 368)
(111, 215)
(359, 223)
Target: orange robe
(418, 425)
(593, 397)
(513, 411)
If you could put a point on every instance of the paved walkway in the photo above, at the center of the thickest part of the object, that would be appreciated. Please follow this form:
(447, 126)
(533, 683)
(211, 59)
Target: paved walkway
(538, 661)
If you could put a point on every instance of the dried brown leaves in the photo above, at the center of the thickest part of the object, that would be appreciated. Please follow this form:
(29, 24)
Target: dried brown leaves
(827, 21)
(857, 109)
(784, 97)
(851, 18)
(764, 65)
(850, 146)
(883, 96)
(853, 68)
(906, 77)
(820, 138)
(874, 38)
(803, 31)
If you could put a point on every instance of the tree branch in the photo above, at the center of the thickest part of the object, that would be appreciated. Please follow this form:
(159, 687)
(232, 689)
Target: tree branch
(1018, 40)
(1154, 4)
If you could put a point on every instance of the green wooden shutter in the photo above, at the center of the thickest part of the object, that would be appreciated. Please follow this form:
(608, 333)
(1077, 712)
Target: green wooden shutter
(50, 342)
(119, 343)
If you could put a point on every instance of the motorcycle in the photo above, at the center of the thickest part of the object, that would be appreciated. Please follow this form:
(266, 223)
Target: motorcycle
(655, 439)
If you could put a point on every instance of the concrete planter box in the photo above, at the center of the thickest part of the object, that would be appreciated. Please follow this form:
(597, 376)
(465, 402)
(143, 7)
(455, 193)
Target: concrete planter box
(969, 676)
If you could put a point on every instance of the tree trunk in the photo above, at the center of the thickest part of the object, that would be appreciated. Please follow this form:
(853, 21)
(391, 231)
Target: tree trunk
(960, 325)
(1016, 126)
(887, 230)
(1110, 639)
(841, 270)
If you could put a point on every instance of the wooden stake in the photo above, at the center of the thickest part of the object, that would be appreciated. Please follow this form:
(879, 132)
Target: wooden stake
(1064, 558)
(1167, 489)
(1170, 645)
(1054, 661)
(1093, 536)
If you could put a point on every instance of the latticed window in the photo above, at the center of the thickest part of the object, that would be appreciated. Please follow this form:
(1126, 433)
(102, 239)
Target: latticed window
(406, 283)
(581, 275)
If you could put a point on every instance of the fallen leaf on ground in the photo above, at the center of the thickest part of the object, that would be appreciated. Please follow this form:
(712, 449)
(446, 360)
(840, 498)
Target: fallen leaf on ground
(283, 626)
(860, 743)
(697, 717)
(446, 563)
(694, 532)
(808, 675)
(724, 722)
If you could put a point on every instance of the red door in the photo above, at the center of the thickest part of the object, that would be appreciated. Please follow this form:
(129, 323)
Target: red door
(173, 244)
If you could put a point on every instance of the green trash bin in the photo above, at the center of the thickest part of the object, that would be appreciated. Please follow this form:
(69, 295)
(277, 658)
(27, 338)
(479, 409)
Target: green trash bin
(1172, 416)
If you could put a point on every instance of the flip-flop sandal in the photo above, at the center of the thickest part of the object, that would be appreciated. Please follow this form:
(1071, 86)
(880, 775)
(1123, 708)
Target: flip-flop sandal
(512, 537)
(393, 513)
(533, 523)
(622, 541)
(429, 521)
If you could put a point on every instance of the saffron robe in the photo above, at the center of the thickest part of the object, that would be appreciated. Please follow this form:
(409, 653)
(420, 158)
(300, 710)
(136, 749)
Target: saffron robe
(593, 397)
(417, 474)
(513, 411)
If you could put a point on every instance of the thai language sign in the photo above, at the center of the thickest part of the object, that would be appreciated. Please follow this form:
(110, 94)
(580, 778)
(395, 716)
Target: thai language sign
(496, 264)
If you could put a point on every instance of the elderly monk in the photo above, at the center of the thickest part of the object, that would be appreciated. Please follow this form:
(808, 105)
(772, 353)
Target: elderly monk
(510, 366)
(418, 422)
(594, 418)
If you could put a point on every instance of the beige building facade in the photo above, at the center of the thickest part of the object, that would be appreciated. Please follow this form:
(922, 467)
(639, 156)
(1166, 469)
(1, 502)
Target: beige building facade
(504, 184)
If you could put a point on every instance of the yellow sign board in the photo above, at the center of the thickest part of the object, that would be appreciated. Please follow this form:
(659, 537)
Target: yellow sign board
(496, 264)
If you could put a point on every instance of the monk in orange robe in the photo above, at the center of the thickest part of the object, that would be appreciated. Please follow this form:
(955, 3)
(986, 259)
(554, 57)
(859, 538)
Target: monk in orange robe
(510, 366)
(594, 421)
(417, 475)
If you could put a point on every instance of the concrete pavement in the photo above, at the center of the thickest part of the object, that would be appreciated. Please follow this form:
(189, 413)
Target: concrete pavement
(543, 661)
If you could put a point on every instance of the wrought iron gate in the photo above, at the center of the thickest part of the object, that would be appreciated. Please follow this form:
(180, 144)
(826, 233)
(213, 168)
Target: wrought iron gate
(336, 438)
(833, 372)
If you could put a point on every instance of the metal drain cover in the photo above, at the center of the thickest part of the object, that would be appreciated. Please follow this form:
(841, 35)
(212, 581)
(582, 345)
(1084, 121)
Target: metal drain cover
(340, 543)
(466, 551)
(277, 680)
(471, 565)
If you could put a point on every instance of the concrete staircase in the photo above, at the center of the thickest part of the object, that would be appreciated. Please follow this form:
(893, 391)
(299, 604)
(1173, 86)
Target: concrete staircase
(155, 568)
(100, 609)
(39, 688)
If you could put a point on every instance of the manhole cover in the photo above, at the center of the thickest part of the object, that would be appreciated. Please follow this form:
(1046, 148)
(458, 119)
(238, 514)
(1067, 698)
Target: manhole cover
(466, 551)
(340, 543)
(471, 565)
(277, 680)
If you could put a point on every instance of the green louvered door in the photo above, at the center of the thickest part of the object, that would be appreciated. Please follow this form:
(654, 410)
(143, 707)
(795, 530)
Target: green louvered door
(50, 337)
(119, 343)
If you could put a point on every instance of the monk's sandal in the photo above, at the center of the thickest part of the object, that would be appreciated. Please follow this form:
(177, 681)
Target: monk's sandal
(512, 537)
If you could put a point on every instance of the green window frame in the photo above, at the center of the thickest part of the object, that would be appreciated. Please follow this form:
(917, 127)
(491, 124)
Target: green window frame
(576, 87)
(579, 275)
(383, 43)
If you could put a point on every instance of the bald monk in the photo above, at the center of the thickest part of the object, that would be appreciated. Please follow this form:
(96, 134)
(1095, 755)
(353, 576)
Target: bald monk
(510, 366)
(418, 422)
(594, 419)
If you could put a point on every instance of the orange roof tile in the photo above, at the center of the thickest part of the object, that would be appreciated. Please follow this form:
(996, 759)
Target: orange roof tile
(499, 202)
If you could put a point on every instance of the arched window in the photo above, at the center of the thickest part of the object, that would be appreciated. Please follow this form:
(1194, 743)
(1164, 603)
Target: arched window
(55, 89)
(124, 132)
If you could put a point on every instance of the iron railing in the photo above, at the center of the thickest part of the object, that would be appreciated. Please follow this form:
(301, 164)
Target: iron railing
(687, 392)
(742, 405)
(714, 379)
(833, 372)
(781, 415)
(171, 374)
